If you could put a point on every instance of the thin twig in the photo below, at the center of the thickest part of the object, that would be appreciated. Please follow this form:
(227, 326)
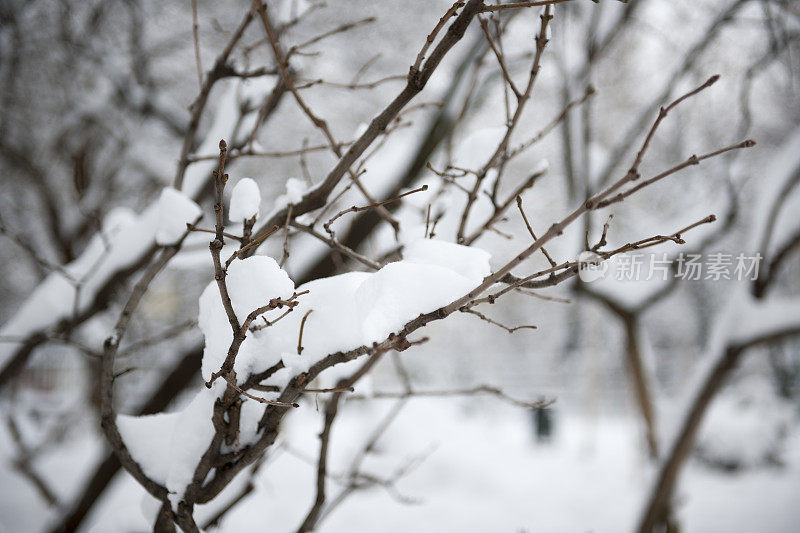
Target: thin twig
(452, 12)
(693, 160)
(499, 56)
(285, 255)
(196, 36)
(335, 244)
(498, 157)
(494, 322)
(522, 5)
(355, 209)
(530, 230)
(481, 389)
(255, 242)
(232, 384)
(300, 336)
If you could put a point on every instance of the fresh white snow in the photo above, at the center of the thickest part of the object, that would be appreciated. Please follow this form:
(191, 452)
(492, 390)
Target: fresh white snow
(245, 200)
(169, 446)
(175, 210)
(347, 311)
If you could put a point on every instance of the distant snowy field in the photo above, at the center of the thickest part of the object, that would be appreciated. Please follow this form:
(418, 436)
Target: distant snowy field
(483, 472)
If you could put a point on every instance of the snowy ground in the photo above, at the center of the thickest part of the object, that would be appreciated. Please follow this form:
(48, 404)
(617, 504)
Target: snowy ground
(483, 473)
